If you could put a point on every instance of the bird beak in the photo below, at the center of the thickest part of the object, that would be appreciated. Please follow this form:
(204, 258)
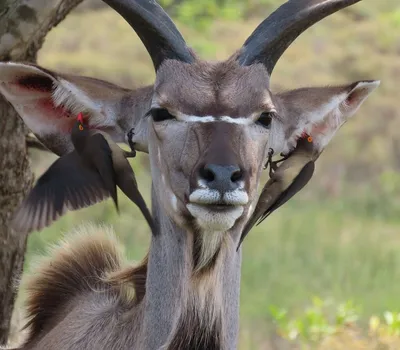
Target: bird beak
(79, 118)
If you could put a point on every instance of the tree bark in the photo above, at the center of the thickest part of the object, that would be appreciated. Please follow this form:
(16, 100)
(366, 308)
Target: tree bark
(23, 27)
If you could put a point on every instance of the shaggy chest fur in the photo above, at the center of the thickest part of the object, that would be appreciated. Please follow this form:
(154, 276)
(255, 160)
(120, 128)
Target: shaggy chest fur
(200, 324)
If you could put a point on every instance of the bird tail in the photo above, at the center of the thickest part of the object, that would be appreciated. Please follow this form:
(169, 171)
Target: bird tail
(127, 183)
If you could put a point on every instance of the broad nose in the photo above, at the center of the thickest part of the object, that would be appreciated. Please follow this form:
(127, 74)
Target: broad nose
(222, 178)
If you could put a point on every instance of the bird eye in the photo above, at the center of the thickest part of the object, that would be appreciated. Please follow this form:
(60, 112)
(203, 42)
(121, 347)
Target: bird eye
(160, 114)
(265, 119)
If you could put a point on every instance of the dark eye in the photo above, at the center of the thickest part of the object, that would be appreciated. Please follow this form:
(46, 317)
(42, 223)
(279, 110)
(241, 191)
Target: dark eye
(160, 114)
(265, 119)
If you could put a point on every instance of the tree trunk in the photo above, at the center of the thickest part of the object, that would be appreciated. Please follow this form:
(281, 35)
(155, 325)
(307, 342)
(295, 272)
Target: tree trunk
(23, 27)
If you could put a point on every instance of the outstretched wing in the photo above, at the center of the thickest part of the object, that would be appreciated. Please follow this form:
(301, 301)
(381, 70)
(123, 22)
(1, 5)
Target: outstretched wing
(68, 184)
(98, 153)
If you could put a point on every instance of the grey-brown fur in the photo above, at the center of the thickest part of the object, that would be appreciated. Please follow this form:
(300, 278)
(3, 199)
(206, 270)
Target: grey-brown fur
(213, 88)
(187, 288)
(105, 319)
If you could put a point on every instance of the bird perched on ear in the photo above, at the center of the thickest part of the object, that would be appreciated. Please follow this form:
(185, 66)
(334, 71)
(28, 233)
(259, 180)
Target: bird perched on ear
(287, 179)
(83, 177)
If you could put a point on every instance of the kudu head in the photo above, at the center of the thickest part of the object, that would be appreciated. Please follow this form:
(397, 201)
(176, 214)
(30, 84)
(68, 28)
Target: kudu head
(207, 126)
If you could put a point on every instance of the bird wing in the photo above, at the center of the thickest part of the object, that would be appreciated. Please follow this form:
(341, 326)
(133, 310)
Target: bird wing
(69, 184)
(272, 192)
(98, 153)
(298, 183)
(126, 181)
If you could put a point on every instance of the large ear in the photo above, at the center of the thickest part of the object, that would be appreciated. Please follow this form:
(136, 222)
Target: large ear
(49, 102)
(309, 109)
(323, 100)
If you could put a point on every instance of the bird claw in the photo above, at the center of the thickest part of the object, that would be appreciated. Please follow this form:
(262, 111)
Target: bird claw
(269, 160)
(130, 142)
(273, 165)
(270, 163)
(130, 134)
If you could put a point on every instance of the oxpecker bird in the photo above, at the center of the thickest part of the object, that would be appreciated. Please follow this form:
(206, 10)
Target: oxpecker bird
(306, 137)
(83, 177)
(287, 180)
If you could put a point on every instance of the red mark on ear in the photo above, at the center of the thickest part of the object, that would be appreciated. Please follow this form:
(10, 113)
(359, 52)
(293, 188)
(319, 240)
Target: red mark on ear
(79, 118)
(50, 111)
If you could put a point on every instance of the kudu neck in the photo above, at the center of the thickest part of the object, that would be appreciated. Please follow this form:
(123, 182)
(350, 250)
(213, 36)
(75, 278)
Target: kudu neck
(177, 298)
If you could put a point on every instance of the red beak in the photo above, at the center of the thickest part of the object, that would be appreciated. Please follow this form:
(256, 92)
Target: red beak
(80, 118)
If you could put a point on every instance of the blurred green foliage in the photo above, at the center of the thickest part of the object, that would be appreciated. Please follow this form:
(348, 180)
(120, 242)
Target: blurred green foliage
(200, 13)
(339, 238)
(318, 321)
(328, 325)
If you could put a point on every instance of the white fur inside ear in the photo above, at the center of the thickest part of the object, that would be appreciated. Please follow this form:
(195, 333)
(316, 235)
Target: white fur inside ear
(359, 93)
(46, 101)
(68, 95)
(324, 132)
(367, 85)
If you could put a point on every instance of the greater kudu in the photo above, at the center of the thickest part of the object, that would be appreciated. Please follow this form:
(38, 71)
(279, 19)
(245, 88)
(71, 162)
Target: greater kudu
(207, 127)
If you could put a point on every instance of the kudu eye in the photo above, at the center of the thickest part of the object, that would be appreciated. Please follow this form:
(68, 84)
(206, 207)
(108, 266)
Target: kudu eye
(265, 119)
(160, 114)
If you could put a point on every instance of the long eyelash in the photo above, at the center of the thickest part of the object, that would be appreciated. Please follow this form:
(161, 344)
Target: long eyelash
(275, 116)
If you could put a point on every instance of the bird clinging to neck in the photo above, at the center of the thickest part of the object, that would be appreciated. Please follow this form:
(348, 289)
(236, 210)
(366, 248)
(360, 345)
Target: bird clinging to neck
(305, 138)
(83, 177)
(287, 180)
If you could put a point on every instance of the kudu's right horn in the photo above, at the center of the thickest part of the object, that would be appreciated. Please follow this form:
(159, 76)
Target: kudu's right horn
(155, 29)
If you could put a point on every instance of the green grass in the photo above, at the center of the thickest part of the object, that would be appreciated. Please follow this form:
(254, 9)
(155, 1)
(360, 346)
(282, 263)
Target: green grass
(339, 238)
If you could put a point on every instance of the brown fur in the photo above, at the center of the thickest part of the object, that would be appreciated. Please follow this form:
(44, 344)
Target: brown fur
(222, 88)
(200, 326)
(89, 261)
(134, 275)
(86, 261)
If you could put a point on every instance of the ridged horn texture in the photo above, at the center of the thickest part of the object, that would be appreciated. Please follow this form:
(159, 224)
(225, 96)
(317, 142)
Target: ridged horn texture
(275, 34)
(155, 29)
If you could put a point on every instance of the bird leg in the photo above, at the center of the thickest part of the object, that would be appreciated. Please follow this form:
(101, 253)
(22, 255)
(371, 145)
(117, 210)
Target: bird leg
(273, 164)
(270, 163)
(281, 160)
(132, 153)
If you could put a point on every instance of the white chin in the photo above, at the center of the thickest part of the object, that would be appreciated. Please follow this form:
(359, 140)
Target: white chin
(215, 220)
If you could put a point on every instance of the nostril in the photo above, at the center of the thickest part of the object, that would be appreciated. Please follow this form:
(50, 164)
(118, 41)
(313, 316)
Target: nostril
(237, 176)
(220, 175)
(207, 174)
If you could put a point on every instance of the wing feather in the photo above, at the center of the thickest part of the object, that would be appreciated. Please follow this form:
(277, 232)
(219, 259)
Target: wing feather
(99, 154)
(68, 184)
(298, 183)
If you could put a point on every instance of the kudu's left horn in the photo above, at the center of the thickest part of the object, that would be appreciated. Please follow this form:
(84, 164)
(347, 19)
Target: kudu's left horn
(275, 34)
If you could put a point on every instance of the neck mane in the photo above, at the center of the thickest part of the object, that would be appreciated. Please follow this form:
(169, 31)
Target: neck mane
(188, 304)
